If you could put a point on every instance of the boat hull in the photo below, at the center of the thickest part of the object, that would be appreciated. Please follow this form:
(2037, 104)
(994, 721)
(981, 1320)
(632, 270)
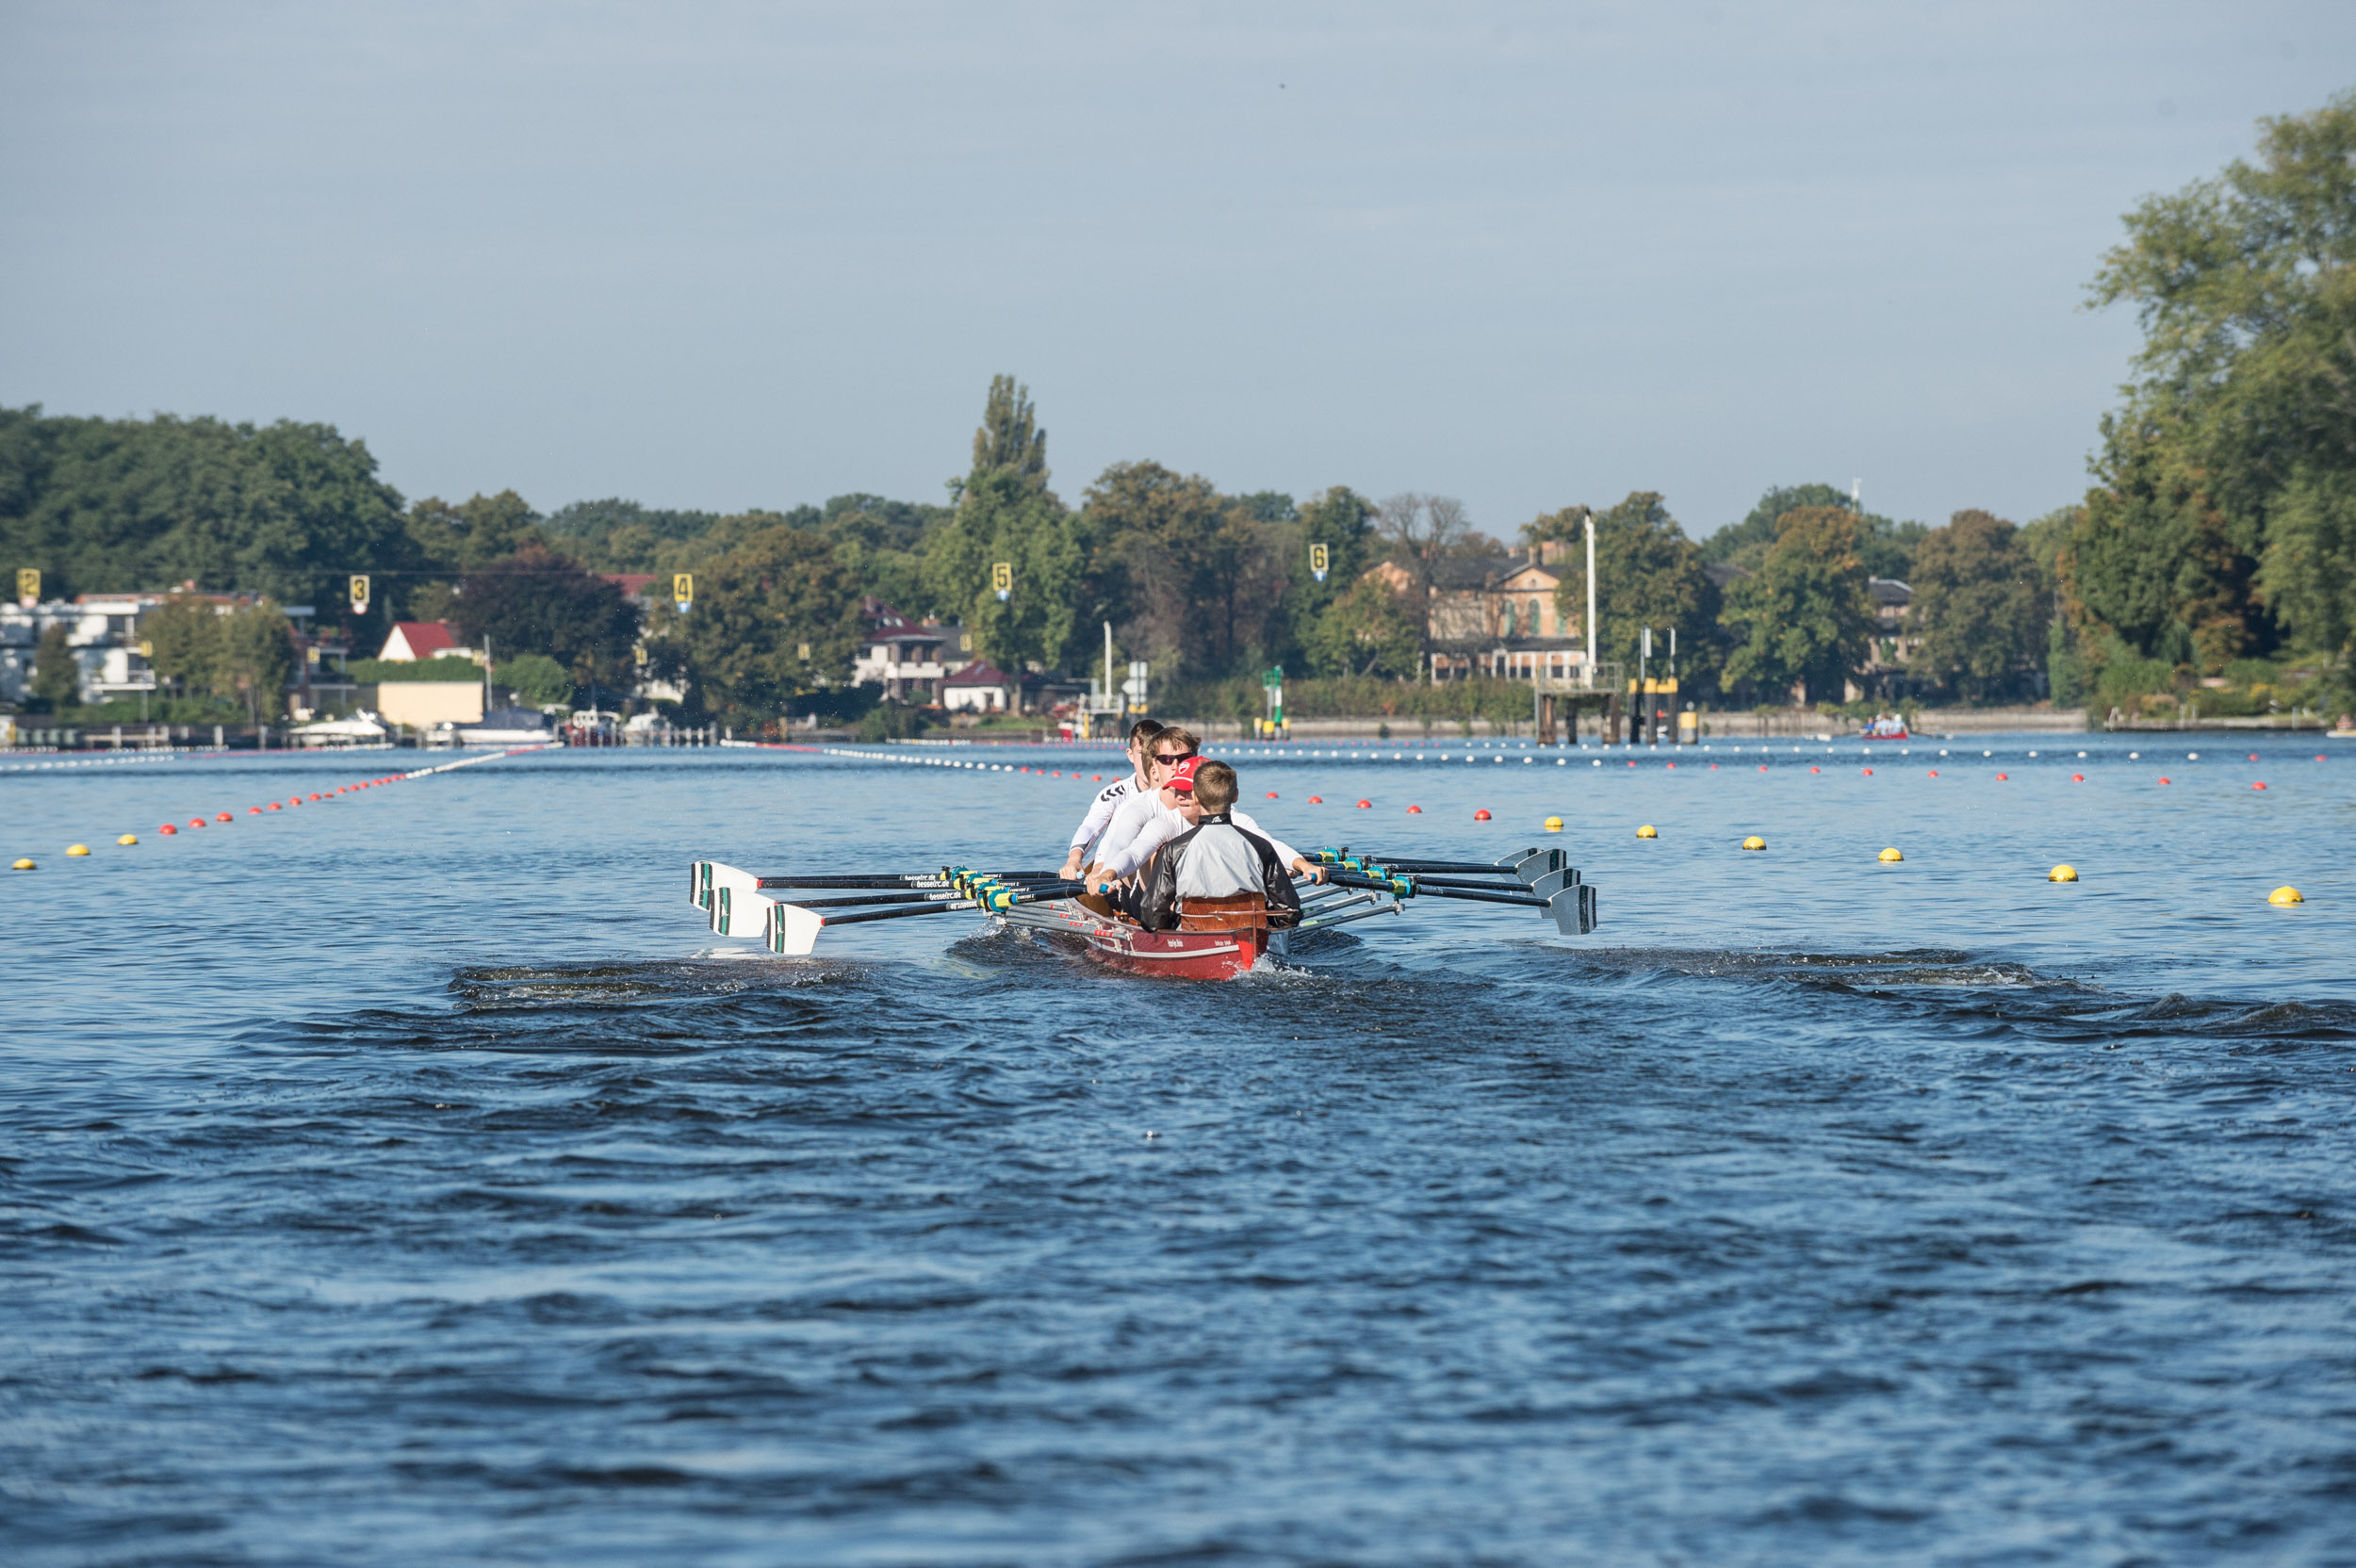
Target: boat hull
(1179, 954)
(1175, 955)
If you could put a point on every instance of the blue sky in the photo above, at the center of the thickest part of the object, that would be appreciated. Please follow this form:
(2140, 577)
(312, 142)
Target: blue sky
(728, 256)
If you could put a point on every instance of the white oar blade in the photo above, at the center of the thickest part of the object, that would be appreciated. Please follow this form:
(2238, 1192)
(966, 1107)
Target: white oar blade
(1574, 910)
(792, 930)
(739, 912)
(714, 879)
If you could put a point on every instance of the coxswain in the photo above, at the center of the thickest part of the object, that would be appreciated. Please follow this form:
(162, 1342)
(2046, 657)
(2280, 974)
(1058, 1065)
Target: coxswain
(1140, 782)
(1215, 859)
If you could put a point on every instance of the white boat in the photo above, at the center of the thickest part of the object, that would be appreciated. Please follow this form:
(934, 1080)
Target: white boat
(508, 727)
(354, 729)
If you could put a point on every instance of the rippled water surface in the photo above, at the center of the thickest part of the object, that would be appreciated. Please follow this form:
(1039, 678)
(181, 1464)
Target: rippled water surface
(410, 1177)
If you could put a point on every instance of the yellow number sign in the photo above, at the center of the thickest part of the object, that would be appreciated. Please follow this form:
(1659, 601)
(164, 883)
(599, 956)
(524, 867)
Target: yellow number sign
(359, 594)
(1002, 579)
(1316, 560)
(683, 587)
(28, 584)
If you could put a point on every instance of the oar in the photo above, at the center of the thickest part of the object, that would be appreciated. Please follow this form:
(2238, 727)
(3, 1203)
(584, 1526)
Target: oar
(861, 901)
(945, 878)
(1572, 905)
(791, 929)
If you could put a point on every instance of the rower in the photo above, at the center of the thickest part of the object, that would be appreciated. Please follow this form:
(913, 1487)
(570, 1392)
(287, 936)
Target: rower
(1145, 823)
(1217, 874)
(1141, 738)
(1173, 748)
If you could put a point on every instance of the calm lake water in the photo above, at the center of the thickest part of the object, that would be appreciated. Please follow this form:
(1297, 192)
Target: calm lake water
(411, 1177)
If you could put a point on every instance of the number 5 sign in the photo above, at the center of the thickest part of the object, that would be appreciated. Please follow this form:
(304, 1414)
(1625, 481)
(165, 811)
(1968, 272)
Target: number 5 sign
(1002, 579)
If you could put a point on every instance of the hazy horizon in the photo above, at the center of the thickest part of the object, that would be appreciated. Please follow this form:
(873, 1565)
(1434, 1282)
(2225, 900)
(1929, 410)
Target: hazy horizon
(761, 255)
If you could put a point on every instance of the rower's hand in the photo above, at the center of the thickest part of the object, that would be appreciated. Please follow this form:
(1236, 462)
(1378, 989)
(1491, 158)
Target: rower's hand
(1072, 869)
(1314, 874)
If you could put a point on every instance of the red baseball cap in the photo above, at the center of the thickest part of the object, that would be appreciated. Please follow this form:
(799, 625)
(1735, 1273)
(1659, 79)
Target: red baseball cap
(1182, 776)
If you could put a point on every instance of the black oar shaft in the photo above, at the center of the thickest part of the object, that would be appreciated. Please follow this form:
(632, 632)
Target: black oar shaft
(860, 901)
(1428, 891)
(895, 879)
(1509, 885)
(1053, 890)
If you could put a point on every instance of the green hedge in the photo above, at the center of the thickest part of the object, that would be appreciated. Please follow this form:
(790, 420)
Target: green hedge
(1353, 697)
(372, 672)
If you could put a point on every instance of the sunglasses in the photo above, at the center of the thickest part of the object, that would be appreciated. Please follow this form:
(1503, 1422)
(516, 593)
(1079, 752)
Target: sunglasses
(1173, 756)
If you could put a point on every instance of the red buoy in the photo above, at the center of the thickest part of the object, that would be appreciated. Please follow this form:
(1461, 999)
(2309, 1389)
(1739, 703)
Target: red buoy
(1368, 805)
(224, 817)
(2257, 786)
(168, 828)
(1481, 815)
(1271, 795)
(1415, 810)
(2163, 781)
(1317, 800)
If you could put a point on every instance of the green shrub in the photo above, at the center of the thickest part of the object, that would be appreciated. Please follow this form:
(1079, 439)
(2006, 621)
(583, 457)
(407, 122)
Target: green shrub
(370, 672)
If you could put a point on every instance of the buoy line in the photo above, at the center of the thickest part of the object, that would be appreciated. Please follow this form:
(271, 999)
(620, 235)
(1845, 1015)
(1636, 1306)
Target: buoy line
(201, 821)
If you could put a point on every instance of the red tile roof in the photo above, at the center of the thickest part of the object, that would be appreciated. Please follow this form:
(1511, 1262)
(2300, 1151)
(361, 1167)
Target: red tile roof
(426, 639)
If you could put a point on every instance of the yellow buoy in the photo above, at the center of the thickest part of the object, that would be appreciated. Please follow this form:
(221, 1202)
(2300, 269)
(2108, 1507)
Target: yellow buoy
(1647, 831)
(1554, 824)
(2287, 894)
(21, 865)
(1754, 841)
(128, 839)
(77, 849)
(2061, 874)
(1891, 854)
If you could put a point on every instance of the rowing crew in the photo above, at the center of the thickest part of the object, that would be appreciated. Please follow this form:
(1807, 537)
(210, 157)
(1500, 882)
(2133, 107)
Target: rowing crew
(1170, 832)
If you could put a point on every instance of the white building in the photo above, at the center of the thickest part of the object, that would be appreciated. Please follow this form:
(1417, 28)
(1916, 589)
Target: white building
(910, 660)
(980, 687)
(103, 632)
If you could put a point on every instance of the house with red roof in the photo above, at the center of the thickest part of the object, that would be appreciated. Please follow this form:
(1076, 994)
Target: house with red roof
(413, 640)
(981, 687)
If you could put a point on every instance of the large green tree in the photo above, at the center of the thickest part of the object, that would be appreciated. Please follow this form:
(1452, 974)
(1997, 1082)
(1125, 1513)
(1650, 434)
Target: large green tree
(538, 601)
(2223, 519)
(1886, 546)
(1200, 576)
(1979, 609)
(114, 505)
(1803, 619)
(1002, 519)
(1343, 521)
(1010, 440)
(1647, 573)
(773, 619)
(1371, 629)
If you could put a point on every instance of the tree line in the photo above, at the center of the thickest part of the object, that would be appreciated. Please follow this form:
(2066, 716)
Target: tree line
(2218, 536)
